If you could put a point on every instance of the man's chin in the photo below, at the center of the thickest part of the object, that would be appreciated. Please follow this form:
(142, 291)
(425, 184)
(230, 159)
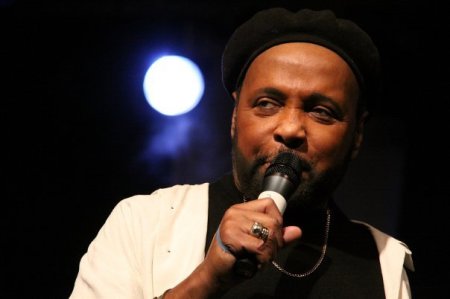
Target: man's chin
(251, 186)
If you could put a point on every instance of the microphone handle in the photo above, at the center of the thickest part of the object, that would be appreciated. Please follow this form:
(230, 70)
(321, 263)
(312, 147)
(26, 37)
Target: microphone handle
(247, 264)
(279, 199)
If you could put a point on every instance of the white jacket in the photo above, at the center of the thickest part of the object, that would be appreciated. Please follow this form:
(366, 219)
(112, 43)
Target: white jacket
(150, 243)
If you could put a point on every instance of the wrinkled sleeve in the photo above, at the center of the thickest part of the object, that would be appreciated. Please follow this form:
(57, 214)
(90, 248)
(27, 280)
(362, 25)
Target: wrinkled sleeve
(405, 288)
(110, 267)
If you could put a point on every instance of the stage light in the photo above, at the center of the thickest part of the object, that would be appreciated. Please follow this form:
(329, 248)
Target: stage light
(173, 85)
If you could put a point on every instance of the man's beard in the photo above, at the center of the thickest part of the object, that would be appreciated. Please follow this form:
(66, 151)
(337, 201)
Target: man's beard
(312, 193)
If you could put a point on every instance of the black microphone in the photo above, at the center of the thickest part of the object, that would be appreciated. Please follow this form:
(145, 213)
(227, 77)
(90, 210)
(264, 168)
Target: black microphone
(280, 180)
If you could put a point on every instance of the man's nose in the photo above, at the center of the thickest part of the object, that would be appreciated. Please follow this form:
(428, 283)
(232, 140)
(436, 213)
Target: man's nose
(290, 128)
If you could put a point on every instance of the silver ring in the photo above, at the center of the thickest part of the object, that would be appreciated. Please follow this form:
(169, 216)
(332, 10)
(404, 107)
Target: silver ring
(259, 231)
(264, 234)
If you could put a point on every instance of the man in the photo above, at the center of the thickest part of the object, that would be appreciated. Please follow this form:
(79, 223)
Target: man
(301, 83)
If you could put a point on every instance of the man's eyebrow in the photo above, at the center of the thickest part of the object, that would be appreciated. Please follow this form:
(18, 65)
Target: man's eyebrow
(273, 92)
(313, 98)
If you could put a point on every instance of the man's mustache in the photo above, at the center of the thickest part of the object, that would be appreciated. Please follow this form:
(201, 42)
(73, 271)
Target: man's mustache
(262, 160)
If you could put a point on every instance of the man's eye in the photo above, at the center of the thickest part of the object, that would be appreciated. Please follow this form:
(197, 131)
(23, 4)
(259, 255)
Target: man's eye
(266, 107)
(323, 114)
(265, 104)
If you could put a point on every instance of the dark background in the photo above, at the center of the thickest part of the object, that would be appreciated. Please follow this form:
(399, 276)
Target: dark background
(78, 135)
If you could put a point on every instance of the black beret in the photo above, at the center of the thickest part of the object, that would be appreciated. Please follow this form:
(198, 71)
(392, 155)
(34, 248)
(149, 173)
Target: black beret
(274, 26)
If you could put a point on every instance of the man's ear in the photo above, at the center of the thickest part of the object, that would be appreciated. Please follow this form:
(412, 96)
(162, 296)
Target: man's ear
(359, 134)
(235, 96)
(233, 117)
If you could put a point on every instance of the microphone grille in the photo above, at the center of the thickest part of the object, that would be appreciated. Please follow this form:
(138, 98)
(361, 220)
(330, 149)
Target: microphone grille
(286, 164)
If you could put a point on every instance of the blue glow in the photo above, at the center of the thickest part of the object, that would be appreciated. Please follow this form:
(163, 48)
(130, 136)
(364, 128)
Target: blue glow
(172, 139)
(173, 85)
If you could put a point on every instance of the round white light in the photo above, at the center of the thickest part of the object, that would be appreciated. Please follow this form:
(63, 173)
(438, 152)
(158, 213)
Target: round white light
(173, 85)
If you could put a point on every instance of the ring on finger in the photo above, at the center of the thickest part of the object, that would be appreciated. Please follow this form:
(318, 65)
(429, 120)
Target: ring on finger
(264, 234)
(259, 231)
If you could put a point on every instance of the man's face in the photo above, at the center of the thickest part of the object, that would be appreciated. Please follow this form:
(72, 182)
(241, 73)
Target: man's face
(297, 97)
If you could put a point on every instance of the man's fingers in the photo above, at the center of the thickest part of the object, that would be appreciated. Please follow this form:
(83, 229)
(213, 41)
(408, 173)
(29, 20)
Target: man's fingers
(291, 233)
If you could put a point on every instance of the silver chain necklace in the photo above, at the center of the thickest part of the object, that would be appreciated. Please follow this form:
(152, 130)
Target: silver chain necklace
(322, 255)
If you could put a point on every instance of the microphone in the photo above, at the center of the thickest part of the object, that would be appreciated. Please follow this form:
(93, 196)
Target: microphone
(280, 180)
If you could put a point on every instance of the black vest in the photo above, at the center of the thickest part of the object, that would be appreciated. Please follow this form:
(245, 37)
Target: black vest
(350, 269)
